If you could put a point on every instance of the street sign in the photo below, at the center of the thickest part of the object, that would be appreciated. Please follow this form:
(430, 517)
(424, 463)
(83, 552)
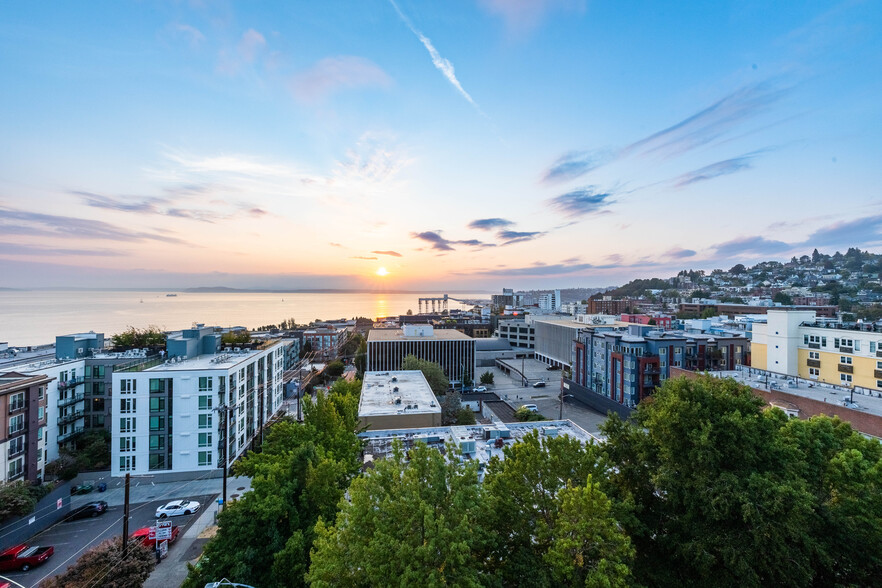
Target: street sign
(163, 530)
(151, 534)
(163, 548)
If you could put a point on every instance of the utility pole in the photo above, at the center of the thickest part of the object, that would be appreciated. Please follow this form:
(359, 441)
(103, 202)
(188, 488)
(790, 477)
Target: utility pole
(125, 537)
(560, 418)
(225, 411)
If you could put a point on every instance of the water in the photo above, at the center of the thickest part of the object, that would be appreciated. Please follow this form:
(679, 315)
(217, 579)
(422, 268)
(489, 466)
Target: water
(36, 317)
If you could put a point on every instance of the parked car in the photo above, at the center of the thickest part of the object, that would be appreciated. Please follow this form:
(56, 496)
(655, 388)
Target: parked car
(480, 388)
(81, 489)
(530, 407)
(21, 557)
(147, 536)
(93, 509)
(177, 507)
(539, 385)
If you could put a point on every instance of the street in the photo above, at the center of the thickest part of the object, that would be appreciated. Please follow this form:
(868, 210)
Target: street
(73, 538)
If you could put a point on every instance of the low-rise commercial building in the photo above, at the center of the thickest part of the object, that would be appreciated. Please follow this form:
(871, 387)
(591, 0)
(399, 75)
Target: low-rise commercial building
(397, 400)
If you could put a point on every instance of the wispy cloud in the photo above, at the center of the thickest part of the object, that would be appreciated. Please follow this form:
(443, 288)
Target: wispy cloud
(512, 237)
(187, 32)
(37, 250)
(335, 245)
(441, 64)
(35, 223)
(146, 205)
(574, 164)
(489, 224)
(362, 257)
(698, 129)
(372, 161)
(679, 253)
(861, 231)
(247, 50)
(389, 253)
(715, 170)
(536, 270)
(750, 246)
(524, 15)
(439, 243)
(581, 202)
(333, 74)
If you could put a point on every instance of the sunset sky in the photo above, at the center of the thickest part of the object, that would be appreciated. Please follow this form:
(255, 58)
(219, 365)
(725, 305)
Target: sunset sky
(460, 144)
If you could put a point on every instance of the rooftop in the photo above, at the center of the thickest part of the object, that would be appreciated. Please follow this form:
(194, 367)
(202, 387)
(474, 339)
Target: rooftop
(398, 335)
(476, 442)
(399, 392)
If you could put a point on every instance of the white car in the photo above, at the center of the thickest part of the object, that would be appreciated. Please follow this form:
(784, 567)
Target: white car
(480, 388)
(530, 407)
(177, 507)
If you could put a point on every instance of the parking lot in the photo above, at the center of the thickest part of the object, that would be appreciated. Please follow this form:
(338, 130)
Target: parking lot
(71, 539)
(546, 399)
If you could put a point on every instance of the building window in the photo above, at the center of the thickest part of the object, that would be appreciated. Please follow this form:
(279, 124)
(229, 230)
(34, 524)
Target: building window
(814, 372)
(126, 405)
(157, 423)
(157, 442)
(845, 378)
(205, 384)
(128, 386)
(814, 355)
(126, 463)
(205, 458)
(204, 439)
(40, 413)
(127, 425)
(678, 350)
(127, 444)
(204, 421)
(40, 392)
(879, 383)
(845, 359)
(157, 461)
(205, 403)
(872, 347)
(157, 404)
(160, 386)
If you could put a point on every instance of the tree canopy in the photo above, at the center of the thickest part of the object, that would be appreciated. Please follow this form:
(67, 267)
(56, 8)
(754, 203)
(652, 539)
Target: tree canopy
(104, 565)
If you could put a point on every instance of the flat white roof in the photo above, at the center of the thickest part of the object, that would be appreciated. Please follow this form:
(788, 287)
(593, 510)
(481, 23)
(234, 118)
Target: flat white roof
(398, 335)
(396, 392)
(210, 361)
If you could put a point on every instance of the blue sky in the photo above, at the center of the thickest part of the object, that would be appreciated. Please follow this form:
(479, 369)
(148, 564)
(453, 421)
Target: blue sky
(463, 144)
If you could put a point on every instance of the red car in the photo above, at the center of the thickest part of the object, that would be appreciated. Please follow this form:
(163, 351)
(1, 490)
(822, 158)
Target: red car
(21, 557)
(147, 536)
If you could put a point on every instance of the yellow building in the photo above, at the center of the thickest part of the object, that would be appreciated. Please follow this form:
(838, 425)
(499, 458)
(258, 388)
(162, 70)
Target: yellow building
(796, 343)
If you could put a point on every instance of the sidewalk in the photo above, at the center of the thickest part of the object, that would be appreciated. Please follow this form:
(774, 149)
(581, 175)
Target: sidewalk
(172, 572)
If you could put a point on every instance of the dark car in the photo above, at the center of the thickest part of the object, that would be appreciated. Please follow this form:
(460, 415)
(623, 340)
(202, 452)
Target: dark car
(81, 489)
(93, 509)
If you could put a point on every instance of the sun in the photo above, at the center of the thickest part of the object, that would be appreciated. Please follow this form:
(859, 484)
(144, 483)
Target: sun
(382, 272)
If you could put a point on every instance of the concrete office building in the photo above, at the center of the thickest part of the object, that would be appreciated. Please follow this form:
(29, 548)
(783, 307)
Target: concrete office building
(454, 351)
(186, 415)
(517, 332)
(397, 400)
(554, 339)
(22, 427)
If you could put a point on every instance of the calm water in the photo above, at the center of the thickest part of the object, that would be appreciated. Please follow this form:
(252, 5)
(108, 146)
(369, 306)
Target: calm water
(36, 317)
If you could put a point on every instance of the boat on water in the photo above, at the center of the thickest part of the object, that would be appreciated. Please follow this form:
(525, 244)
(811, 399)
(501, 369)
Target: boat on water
(171, 295)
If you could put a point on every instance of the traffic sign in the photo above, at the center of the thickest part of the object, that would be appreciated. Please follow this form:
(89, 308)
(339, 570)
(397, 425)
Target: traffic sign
(163, 530)
(163, 548)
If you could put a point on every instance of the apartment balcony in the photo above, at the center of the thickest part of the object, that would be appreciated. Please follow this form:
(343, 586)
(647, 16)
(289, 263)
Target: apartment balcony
(14, 430)
(15, 407)
(72, 399)
(877, 374)
(815, 363)
(651, 369)
(844, 349)
(879, 353)
(15, 476)
(814, 345)
(73, 382)
(70, 417)
(16, 449)
(73, 433)
(846, 368)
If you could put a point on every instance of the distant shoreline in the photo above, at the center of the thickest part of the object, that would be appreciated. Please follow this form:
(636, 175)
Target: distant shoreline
(226, 290)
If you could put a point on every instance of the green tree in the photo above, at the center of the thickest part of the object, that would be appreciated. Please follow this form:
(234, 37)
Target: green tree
(525, 414)
(152, 337)
(782, 298)
(104, 565)
(236, 338)
(299, 475)
(712, 501)
(306, 348)
(15, 499)
(737, 269)
(487, 377)
(360, 360)
(351, 345)
(93, 451)
(465, 416)
(334, 369)
(709, 312)
(407, 522)
(523, 507)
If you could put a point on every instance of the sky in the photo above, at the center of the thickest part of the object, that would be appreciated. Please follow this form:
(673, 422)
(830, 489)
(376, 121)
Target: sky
(458, 144)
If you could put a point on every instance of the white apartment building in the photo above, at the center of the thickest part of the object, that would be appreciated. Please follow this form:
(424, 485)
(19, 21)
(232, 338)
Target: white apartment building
(550, 302)
(181, 415)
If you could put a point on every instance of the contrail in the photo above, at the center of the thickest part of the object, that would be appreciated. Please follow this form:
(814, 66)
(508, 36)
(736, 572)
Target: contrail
(441, 64)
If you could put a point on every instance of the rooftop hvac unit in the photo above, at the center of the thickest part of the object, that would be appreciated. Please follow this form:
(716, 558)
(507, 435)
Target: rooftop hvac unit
(398, 400)
(395, 388)
(551, 431)
(394, 378)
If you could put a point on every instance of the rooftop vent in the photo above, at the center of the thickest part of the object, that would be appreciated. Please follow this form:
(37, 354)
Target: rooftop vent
(398, 400)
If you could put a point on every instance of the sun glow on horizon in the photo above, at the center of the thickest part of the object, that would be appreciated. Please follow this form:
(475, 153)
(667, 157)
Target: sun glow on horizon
(382, 272)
